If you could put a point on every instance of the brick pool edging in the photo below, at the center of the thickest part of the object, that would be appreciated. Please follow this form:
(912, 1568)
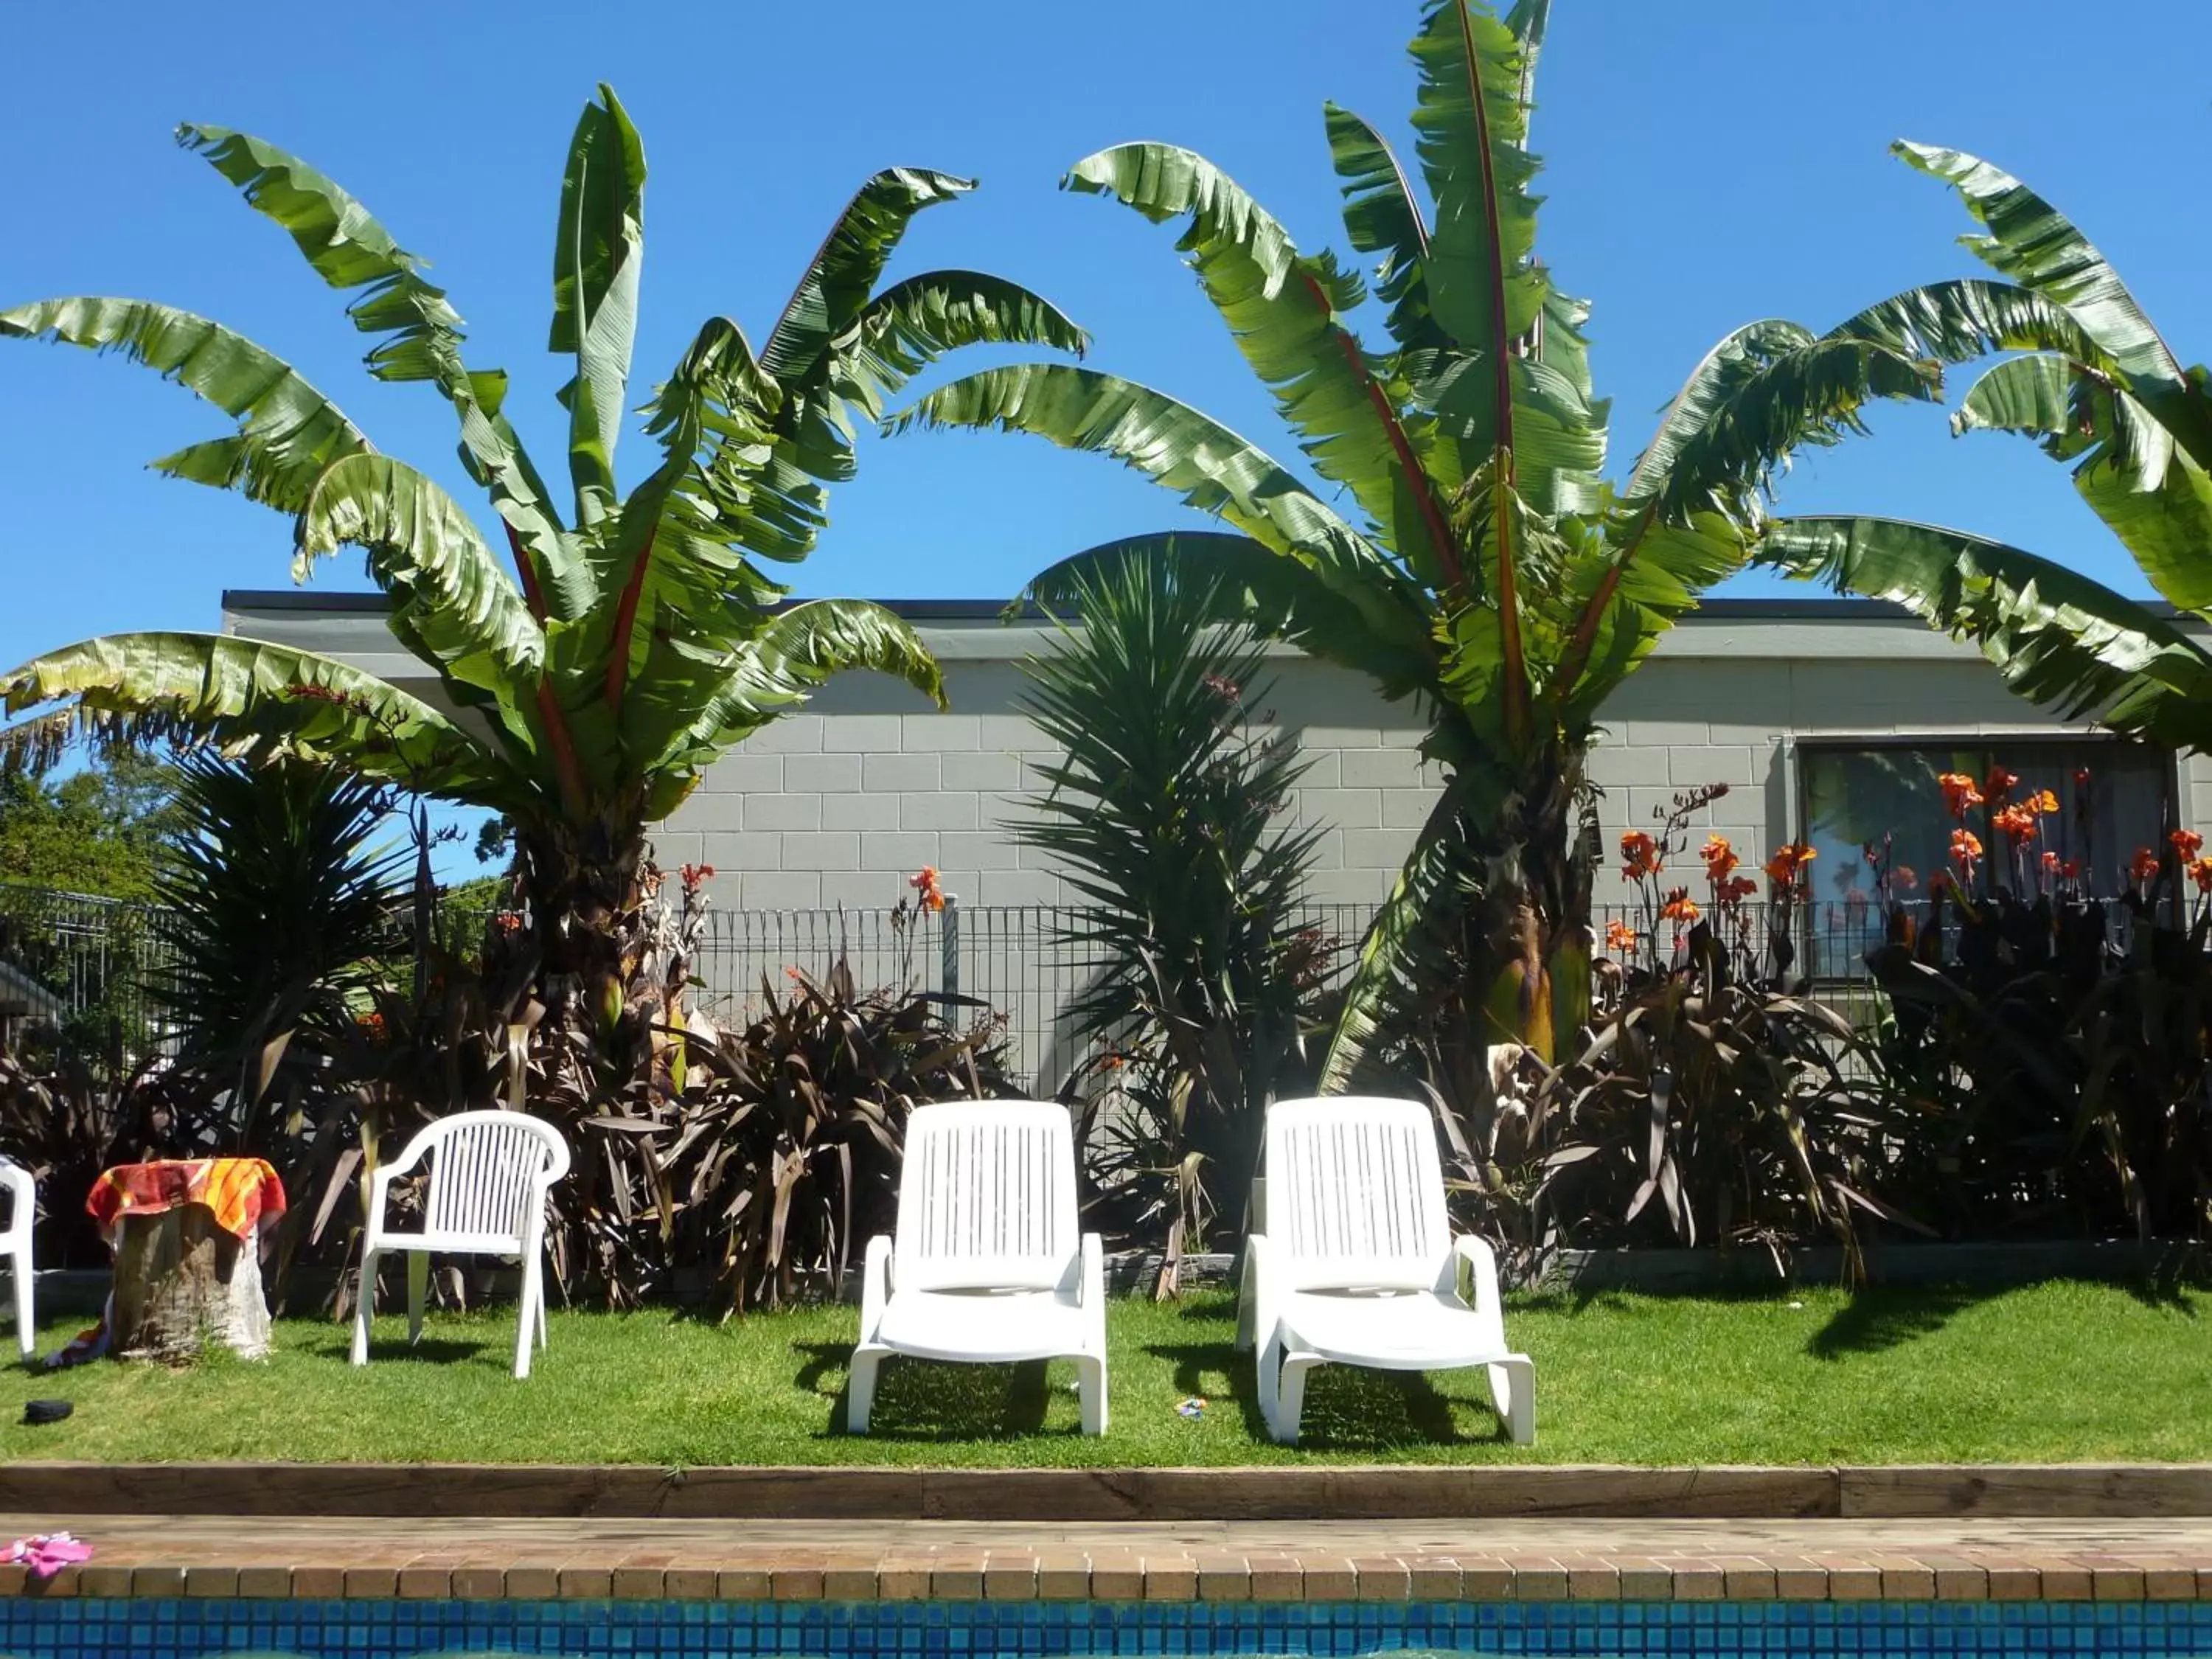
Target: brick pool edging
(222, 1558)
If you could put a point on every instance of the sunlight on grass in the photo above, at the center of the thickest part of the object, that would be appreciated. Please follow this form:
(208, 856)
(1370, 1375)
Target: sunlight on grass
(2054, 1373)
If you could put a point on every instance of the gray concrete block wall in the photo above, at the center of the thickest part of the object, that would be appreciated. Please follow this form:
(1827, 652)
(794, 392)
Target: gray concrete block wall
(841, 802)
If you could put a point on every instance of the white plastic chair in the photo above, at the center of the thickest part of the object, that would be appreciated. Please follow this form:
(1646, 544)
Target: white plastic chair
(1353, 1263)
(16, 1246)
(987, 1267)
(483, 1194)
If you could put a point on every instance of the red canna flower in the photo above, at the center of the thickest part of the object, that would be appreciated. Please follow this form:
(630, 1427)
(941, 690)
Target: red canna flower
(2188, 843)
(1639, 855)
(2143, 866)
(931, 897)
(2001, 784)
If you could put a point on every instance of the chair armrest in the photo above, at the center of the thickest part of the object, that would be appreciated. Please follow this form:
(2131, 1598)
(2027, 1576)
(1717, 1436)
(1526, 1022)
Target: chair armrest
(1256, 1294)
(1093, 1290)
(1481, 1262)
(875, 1285)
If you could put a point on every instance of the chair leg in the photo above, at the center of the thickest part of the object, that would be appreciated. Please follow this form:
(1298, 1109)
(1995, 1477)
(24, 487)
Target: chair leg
(364, 1294)
(419, 1286)
(1291, 1398)
(525, 1324)
(1090, 1388)
(1515, 1379)
(861, 1388)
(27, 1332)
(544, 1340)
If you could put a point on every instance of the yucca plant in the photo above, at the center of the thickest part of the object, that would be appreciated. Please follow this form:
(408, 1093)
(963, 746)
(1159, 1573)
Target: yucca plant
(1482, 566)
(638, 636)
(285, 900)
(1165, 813)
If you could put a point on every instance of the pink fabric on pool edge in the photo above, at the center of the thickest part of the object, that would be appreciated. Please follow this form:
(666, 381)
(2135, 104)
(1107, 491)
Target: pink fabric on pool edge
(46, 1553)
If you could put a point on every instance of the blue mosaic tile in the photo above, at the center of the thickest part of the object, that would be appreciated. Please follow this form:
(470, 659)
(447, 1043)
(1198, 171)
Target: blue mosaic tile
(92, 1629)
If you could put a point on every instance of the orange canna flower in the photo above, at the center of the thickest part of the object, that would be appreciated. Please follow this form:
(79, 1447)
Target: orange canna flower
(2188, 843)
(2143, 866)
(2200, 872)
(1639, 855)
(1679, 906)
(2050, 861)
(2046, 802)
(1960, 794)
(931, 897)
(1787, 867)
(2016, 824)
(1619, 937)
(1720, 858)
(1965, 848)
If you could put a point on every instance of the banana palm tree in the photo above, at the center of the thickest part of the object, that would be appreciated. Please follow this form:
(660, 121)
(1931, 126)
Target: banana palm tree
(638, 636)
(2101, 391)
(1483, 565)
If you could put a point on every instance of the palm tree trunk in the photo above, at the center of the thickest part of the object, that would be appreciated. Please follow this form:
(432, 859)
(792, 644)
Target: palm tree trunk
(588, 898)
(1528, 939)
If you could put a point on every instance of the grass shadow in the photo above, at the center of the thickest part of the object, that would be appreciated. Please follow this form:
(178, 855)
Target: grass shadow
(934, 1399)
(1883, 1317)
(495, 1347)
(1347, 1409)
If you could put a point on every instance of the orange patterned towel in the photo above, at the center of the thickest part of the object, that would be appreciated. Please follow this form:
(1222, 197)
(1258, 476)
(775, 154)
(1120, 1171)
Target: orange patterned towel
(240, 1190)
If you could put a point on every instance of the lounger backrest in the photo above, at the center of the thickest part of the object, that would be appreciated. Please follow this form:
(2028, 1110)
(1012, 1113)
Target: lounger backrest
(486, 1170)
(1355, 1194)
(986, 1197)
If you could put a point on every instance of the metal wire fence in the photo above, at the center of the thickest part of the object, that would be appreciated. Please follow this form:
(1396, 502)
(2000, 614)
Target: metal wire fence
(93, 967)
(89, 968)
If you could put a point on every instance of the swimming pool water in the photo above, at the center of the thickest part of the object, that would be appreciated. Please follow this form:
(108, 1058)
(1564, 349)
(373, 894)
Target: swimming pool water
(91, 1628)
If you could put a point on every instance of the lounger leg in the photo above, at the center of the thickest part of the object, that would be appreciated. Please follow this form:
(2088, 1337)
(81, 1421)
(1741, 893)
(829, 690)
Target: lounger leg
(861, 1388)
(418, 1286)
(1269, 1362)
(1291, 1398)
(1515, 1379)
(364, 1295)
(27, 1336)
(1090, 1387)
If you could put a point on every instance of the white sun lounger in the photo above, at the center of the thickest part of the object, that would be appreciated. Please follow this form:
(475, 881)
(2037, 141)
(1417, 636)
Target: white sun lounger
(987, 1265)
(1353, 1263)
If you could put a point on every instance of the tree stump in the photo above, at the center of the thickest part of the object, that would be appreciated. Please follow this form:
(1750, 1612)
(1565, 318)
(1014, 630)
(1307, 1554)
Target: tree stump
(184, 1282)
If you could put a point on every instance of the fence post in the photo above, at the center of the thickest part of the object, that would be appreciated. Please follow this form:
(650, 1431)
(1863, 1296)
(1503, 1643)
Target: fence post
(948, 946)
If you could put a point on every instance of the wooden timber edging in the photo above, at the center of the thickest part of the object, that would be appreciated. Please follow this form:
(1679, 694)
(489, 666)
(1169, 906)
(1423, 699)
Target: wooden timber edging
(1103, 1495)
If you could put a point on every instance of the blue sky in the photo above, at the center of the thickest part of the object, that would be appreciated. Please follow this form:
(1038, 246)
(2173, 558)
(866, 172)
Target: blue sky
(1709, 161)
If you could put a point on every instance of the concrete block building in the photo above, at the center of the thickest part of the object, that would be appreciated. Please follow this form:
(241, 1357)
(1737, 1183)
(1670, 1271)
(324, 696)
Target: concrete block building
(1826, 719)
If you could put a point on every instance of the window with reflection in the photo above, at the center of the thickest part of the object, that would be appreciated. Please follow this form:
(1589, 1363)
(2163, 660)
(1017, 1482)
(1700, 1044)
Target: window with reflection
(2111, 798)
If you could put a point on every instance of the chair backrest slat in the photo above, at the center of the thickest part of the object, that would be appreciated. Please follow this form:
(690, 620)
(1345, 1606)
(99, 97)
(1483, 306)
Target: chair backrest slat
(1355, 1192)
(986, 1197)
(483, 1171)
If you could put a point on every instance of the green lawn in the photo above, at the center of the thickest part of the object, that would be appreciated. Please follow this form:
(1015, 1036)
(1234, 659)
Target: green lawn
(2055, 1373)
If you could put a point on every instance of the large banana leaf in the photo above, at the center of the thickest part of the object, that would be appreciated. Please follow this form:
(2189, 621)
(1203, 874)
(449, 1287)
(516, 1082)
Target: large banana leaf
(1484, 285)
(1970, 317)
(800, 650)
(287, 431)
(596, 255)
(136, 687)
(1283, 309)
(1380, 216)
(2032, 244)
(836, 286)
(1209, 466)
(451, 598)
(348, 249)
(346, 246)
(2057, 637)
(912, 324)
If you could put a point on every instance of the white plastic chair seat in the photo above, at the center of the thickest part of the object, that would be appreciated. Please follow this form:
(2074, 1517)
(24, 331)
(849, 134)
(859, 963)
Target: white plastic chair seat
(1398, 1331)
(986, 1266)
(985, 1326)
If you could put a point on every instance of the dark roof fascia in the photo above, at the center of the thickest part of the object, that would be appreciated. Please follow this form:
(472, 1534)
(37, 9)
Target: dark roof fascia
(958, 611)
